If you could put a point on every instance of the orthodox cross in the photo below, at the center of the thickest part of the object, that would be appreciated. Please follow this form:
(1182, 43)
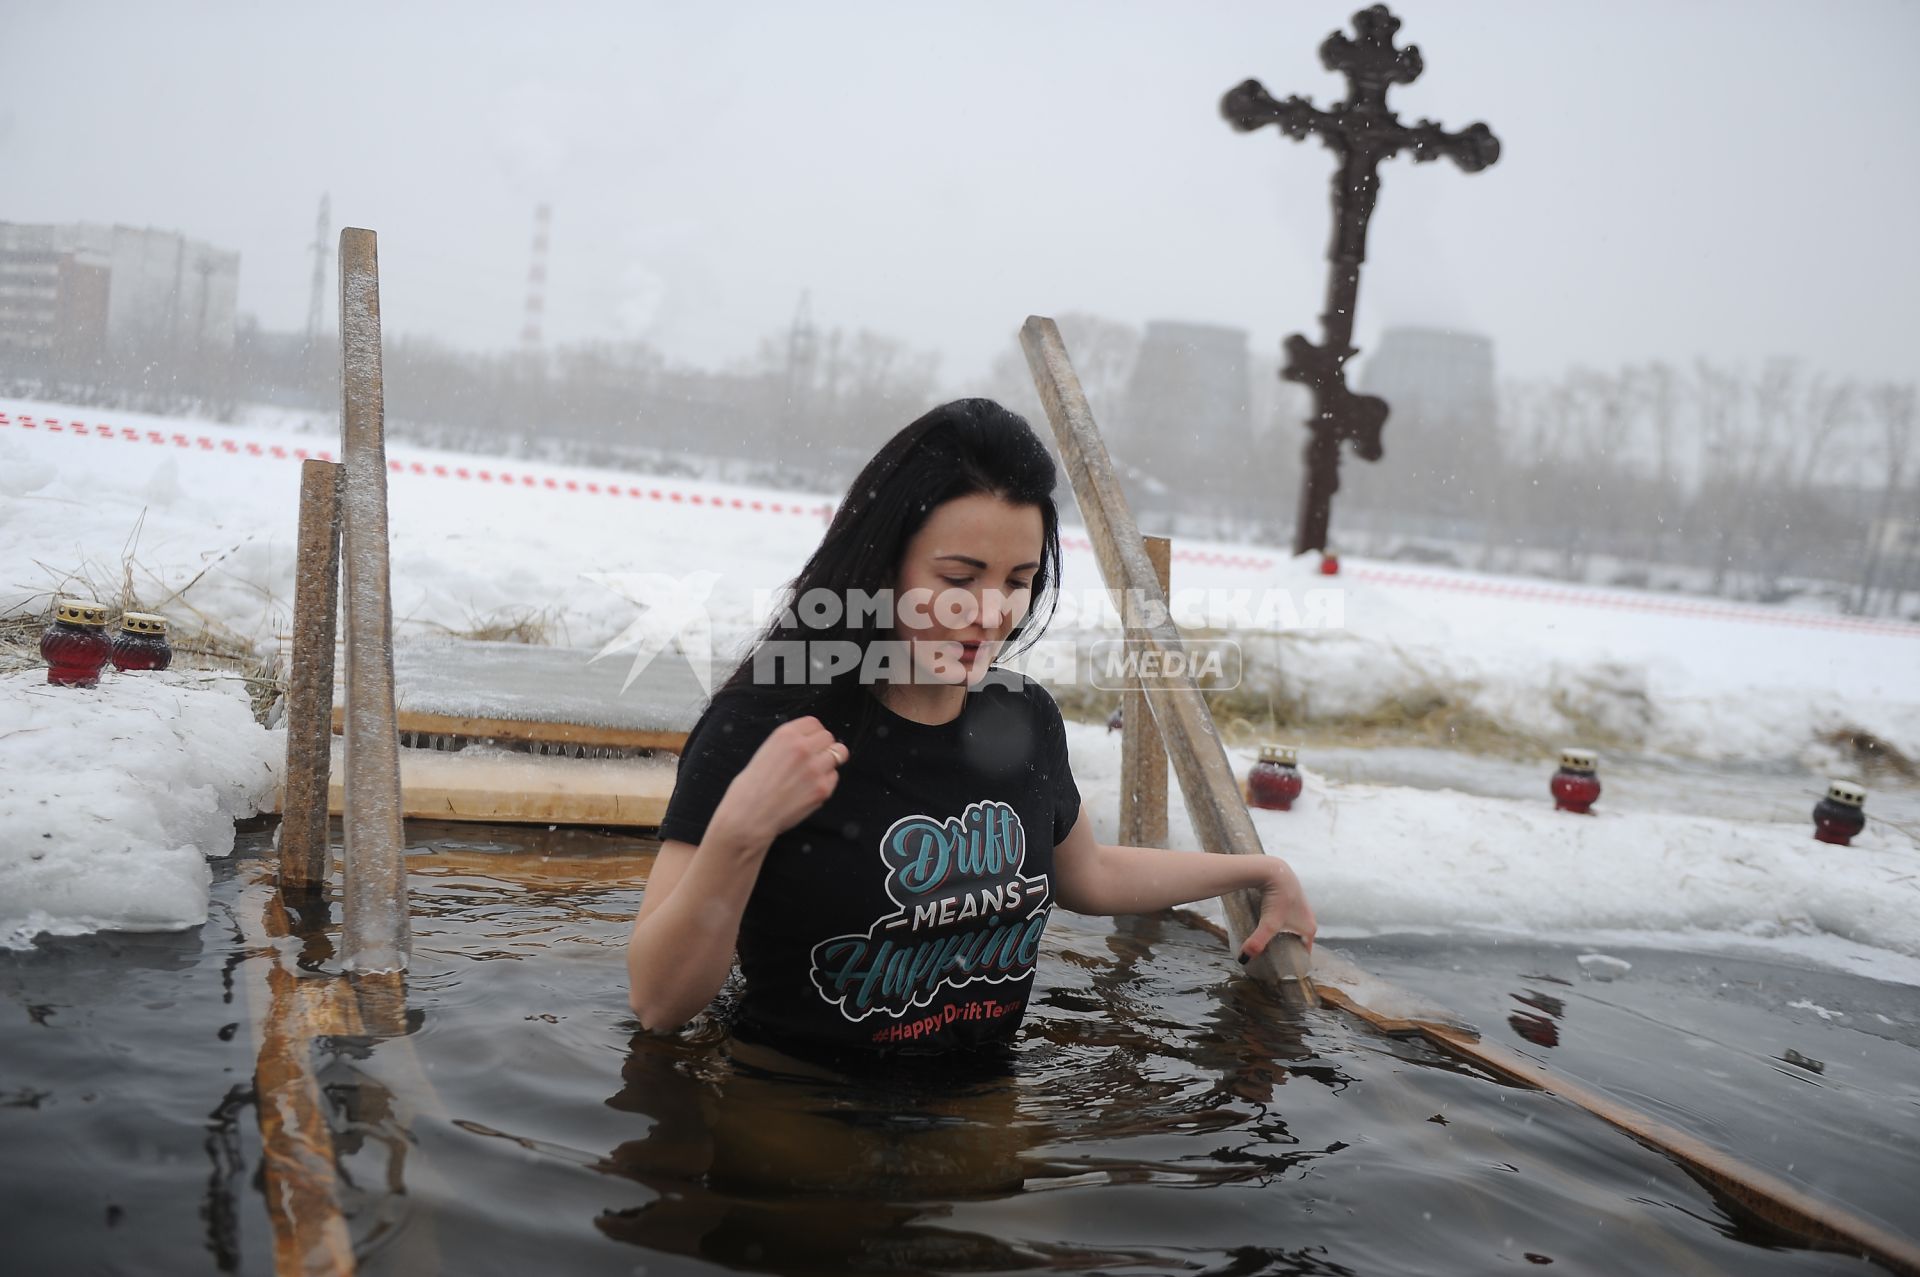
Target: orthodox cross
(1363, 132)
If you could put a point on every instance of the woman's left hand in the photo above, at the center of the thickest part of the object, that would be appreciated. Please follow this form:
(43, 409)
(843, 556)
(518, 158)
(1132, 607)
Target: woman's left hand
(1283, 907)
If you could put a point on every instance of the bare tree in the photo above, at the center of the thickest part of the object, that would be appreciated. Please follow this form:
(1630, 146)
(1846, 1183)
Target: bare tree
(1103, 353)
(1660, 405)
(1733, 461)
(1503, 480)
(1907, 572)
(1890, 407)
(1777, 432)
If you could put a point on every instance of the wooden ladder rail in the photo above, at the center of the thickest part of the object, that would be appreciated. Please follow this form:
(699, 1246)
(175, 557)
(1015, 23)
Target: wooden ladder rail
(374, 876)
(1143, 757)
(1220, 818)
(343, 534)
(1185, 724)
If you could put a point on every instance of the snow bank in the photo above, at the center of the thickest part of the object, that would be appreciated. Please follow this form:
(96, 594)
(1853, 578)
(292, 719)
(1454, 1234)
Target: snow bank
(586, 551)
(1379, 859)
(113, 797)
(1694, 678)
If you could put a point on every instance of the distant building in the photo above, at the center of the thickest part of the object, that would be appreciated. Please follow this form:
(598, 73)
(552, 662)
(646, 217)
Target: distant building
(72, 294)
(1442, 424)
(1187, 398)
(1431, 374)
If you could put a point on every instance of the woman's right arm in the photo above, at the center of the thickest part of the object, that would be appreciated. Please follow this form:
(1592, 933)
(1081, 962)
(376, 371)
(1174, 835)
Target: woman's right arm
(682, 942)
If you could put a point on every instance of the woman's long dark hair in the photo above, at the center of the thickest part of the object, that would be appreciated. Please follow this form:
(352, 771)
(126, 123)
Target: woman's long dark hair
(965, 447)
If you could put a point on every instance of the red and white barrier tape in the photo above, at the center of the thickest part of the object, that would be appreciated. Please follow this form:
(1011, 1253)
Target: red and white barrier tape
(1562, 595)
(127, 434)
(438, 470)
(1513, 589)
(1210, 557)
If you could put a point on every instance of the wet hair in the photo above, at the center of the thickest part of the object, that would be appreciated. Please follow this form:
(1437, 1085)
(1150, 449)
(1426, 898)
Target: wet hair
(959, 449)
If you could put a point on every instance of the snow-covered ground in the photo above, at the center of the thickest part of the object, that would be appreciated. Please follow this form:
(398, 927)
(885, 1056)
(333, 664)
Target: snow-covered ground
(208, 530)
(201, 519)
(112, 797)
(1378, 859)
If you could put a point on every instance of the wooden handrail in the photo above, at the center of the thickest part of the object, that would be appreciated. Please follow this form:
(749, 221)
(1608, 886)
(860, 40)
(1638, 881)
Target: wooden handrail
(302, 838)
(377, 928)
(1143, 758)
(1212, 796)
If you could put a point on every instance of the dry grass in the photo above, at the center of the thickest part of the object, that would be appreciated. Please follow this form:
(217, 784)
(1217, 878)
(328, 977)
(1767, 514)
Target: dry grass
(199, 641)
(534, 627)
(20, 641)
(1247, 716)
(1430, 719)
(1871, 756)
(1245, 720)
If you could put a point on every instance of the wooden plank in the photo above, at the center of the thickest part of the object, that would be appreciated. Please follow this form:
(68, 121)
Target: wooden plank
(627, 793)
(302, 837)
(287, 1012)
(491, 680)
(377, 929)
(1827, 1225)
(1212, 796)
(1143, 757)
(476, 785)
(380, 1002)
(310, 1236)
(1200, 762)
(489, 690)
(616, 870)
(519, 730)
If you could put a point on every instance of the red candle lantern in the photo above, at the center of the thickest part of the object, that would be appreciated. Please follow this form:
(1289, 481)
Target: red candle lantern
(1274, 781)
(76, 645)
(142, 642)
(1839, 816)
(1329, 562)
(1576, 786)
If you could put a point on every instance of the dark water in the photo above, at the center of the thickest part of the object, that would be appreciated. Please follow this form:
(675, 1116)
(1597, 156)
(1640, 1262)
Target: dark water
(1159, 1116)
(1813, 1076)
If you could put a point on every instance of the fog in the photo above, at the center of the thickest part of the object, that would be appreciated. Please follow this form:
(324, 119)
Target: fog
(1664, 342)
(1729, 180)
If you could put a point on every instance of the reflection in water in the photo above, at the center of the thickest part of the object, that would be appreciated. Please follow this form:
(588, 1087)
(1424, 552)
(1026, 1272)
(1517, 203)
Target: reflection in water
(219, 1209)
(381, 1177)
(309, 915)
(1539, 1029)
(755, 1157)
(1161, 1113)
(1546, 1002)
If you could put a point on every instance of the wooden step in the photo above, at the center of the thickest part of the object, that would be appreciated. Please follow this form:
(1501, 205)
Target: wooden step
(479, 784)
(515, 692)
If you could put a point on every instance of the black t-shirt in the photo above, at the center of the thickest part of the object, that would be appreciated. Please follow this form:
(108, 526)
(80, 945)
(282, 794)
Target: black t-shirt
(904, 914)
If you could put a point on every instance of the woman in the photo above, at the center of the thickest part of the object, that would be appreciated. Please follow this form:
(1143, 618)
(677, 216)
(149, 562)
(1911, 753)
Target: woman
(875, 818)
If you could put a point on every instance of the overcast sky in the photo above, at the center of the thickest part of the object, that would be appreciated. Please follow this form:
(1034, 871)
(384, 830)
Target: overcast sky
(1734, 180)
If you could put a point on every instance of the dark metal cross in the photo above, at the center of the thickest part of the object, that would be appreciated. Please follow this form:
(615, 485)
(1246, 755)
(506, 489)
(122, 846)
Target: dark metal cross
(1363, 132)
